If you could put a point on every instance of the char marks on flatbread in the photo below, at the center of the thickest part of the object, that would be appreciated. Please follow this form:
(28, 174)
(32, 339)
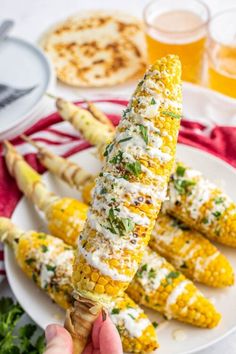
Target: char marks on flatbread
(96, 48)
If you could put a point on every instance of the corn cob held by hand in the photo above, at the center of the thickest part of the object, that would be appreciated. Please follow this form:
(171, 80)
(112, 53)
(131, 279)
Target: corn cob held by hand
(48, 261)
(202, 205)
(116, 231)
(157, 284)
(65, 216)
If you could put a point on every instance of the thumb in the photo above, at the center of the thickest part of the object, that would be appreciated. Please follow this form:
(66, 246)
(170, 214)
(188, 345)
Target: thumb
(58, 340)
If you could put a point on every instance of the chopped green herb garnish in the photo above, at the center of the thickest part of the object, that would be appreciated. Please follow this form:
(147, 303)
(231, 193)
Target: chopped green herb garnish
(171, 114)
(153, 101)
(117, 159)
(50, 268)
(147, 298)
(141, 270)
(180, 171)
(108, 149)
(127, 110)
(42, 236)
(205, 221)
(172, 275)
(34, 278)
(155, 324)
(217, 214)
(125, 139)
(144, 132)
(119, 226)
(151, 273)
(44, 248)
(103, 190)
(115, 311)
(219, 200)
(129, 314)
(134, 168)
(182, 185)
(29, 261)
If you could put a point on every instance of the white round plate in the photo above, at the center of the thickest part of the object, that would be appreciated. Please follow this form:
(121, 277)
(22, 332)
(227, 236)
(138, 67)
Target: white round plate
(43, 311)
(22, 65)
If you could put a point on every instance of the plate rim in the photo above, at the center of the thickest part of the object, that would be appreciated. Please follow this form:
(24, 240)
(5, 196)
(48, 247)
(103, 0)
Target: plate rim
(212, 342)
(50, 82)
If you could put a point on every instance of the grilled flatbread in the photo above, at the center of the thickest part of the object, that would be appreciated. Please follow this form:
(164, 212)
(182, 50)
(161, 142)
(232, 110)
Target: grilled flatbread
(96, 48)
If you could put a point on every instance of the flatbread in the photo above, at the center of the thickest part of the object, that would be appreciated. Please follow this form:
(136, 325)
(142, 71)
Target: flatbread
(96, 48)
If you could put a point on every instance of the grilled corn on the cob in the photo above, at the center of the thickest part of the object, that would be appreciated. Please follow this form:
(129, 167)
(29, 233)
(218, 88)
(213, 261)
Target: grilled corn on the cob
(191, 253)
(65, 216)
(202, 205)
(138, 165)
(131, 187)
(157, 284)
(48, 261)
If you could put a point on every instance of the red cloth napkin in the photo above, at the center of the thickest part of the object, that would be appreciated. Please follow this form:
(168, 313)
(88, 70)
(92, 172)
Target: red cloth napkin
(219, 141)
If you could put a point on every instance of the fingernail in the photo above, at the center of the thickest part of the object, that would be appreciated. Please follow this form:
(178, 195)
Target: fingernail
(104, 315)
(50, 332)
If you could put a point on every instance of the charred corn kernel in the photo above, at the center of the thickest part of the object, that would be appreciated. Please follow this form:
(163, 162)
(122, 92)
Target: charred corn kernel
(190, 252)
(65, 216)
(48, 261)
(202, 205)
(63, 168)
(186, 249)
(136, 173)
(159, 286)
(83, 121)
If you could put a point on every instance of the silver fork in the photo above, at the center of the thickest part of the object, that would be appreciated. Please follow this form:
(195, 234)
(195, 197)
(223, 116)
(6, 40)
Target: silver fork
(9, 94)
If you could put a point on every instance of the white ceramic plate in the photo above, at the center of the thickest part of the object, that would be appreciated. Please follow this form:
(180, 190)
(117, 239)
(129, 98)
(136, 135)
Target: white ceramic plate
(43, 311)
(22, 65)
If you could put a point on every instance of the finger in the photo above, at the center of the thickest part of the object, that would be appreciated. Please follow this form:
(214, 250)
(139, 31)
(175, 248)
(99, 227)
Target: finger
(96, 330)
(58, 340)
(88, 349)
(109, 338)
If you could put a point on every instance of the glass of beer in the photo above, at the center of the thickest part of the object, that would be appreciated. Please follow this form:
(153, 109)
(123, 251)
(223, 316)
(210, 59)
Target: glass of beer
(178, 27)
(222, 53)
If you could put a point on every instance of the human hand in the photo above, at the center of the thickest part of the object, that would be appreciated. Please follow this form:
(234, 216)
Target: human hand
(105, 339)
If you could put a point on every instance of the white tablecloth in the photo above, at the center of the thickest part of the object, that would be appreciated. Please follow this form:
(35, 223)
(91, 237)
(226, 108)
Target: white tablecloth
(34, 16)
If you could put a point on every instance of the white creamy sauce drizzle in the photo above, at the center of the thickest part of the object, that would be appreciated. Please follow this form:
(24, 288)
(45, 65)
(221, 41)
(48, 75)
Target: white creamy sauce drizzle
(117, 242)
(155, 262)
(45, 276)
(63, 263)
(94, 259)
(166, 237)
(133, 324)
(202, 263)
(201, 193)
(177, 291)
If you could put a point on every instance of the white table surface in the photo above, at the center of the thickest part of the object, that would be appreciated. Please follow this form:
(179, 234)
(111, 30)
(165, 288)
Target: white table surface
(34, 16)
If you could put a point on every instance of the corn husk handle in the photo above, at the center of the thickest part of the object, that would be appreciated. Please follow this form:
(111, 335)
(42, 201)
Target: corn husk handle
(79, 322)
(99, 115)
